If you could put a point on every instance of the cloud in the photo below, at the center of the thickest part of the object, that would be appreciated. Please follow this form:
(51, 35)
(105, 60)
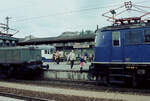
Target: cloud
(46, 18)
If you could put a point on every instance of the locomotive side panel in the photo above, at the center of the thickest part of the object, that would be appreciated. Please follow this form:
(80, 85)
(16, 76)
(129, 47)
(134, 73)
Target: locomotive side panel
(133, 45)
(28, 55)
(102, 48)
(137, 47)
(9, 56)
(12, 56)
(19, 55)
(128, 45)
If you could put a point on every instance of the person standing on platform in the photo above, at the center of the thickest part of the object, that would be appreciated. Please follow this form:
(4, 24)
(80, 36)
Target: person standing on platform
(82, 63)
(57, 57)
(85, 56)
(54, 57)
(71, 57)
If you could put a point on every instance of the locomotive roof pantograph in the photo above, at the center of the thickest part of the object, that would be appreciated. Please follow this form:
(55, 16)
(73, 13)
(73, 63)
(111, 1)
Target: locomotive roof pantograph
(6, 34)
(114, 15)
(5, 30)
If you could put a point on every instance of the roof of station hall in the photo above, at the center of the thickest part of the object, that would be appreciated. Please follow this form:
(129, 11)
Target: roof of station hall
(77, 38)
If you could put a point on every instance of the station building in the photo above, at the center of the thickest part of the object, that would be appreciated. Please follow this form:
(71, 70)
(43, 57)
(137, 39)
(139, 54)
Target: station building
(81, 44)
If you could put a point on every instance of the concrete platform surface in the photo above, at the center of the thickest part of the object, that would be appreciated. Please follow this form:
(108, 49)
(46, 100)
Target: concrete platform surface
(66, 66)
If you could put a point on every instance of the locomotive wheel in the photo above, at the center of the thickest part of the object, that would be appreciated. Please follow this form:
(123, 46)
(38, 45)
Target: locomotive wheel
(105, 80)
(10, 72)
(98, 78)
(3, 73)
(134, 82)
(90, 76)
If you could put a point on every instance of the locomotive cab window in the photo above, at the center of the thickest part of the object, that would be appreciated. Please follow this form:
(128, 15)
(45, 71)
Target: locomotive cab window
(116, 38)
(147, 36)
(45, 51)
(48, 52)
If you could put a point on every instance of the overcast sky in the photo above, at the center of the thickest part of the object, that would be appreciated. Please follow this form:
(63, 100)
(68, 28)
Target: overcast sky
(48, 18)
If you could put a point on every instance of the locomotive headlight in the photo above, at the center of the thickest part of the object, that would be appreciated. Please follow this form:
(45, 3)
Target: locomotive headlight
(140, 71)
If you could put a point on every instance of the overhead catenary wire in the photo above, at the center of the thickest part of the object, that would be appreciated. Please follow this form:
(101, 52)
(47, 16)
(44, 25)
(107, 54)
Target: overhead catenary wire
(69, 12)
(86, 10)
(73, 11)
(64, 13)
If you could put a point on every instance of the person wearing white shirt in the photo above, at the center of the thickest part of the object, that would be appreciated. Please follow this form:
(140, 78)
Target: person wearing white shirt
(71, 57)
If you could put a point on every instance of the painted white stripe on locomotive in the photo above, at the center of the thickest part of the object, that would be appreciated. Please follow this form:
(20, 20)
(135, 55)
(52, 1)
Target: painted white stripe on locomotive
(121, 62)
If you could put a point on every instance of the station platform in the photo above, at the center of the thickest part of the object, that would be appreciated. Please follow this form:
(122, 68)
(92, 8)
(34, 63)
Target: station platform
(66, 66)
(63, 71)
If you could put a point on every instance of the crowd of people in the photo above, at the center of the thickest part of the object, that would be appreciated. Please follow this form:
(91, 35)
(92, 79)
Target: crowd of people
(71, 57)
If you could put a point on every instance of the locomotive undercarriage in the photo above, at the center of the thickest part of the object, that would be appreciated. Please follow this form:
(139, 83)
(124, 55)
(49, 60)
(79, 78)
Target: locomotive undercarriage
(21, 71)
(130, 74)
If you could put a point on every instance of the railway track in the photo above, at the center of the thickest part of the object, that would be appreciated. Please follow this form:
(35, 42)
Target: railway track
(77, 86)
(26, 98)
(85, 85)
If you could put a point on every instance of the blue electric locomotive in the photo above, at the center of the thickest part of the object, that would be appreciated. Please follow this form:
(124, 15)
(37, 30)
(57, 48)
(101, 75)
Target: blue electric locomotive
(122, 53)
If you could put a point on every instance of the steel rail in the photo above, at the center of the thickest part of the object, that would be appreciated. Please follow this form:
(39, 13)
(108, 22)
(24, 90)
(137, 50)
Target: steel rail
(28, 98)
